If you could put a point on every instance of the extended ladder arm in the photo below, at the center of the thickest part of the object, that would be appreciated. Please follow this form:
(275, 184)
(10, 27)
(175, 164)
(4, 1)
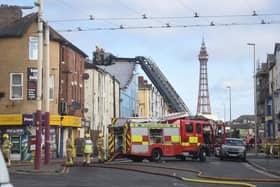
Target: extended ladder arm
(162, 84)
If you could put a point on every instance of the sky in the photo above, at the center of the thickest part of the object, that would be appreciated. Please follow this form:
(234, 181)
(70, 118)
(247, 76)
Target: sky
(175, 50)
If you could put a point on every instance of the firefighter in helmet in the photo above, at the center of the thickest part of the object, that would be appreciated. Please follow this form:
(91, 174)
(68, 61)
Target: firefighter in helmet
(100, 148)
(69, 151)
(6, 148)
(87, 149)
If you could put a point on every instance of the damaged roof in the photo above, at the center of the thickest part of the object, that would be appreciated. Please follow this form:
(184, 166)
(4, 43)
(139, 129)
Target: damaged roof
(122, 70)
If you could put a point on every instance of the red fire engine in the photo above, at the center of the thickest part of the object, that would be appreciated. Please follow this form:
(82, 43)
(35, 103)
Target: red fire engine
(138, 139)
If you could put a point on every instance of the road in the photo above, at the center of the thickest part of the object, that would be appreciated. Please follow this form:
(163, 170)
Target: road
(104, 177)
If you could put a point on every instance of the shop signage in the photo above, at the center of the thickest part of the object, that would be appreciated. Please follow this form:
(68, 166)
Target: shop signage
(32, 77)
(15, 131)
(28, 119)
(10, 119)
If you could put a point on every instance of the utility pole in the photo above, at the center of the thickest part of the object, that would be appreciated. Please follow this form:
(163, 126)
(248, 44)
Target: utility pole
(229, 87)
(46, 68)
(39, 87)
(255, 99)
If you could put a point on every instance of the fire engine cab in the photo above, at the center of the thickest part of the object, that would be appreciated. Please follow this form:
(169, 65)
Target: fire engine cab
(138, 139)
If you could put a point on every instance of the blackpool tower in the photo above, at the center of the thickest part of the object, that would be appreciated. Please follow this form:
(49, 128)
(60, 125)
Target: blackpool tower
(203, 102)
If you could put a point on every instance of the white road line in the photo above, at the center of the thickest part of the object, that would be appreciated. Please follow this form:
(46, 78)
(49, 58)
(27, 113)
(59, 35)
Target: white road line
(259, 171)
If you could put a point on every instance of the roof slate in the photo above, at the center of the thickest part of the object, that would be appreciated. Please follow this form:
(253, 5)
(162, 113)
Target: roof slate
(19, 27)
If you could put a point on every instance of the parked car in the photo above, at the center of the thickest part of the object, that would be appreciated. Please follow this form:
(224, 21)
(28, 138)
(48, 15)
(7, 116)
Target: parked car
(4, 175)
(233, 148)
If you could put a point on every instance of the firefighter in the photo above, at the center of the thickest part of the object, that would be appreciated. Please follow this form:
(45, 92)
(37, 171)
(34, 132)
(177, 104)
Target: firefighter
(87, 149)
(6, 147)
(69, 151)
(100, 148)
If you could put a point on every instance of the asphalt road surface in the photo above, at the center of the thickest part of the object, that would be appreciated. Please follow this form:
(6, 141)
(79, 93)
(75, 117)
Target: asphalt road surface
(106, 177)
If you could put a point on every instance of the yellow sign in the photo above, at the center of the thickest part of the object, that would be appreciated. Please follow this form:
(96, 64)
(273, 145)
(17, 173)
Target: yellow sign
(11, 119)
(193, 139)
(65, 121)
(137, 139)
(175, 138)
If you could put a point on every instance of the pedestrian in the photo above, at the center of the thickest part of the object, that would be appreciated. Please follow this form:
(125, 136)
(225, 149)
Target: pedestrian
(69, 151)
(100, 148)
(6, 147)
(87, 149)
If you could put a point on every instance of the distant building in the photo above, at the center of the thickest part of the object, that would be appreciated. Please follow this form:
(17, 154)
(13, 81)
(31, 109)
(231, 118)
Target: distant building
(102, 99)
(151, 103)
(243, 124)
(274, 91)
(262, 92)
(126, 73)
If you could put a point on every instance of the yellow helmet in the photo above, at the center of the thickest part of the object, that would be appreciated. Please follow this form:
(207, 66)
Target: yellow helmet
(100, 135)
(5, 136)
(87, 135)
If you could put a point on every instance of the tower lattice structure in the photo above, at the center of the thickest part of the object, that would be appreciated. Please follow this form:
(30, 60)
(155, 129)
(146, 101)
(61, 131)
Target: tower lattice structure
(203, 102)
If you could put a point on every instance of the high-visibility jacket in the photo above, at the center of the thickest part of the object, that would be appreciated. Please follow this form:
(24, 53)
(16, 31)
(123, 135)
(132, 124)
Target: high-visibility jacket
(88, 146)
(100, 143)
(69, 144)
(7, 145)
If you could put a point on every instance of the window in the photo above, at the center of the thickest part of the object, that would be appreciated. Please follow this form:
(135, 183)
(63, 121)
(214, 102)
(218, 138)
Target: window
(33, 48)
(189, 127)
(51, 87)
(156, 136)
(16, 86)
(198, 128)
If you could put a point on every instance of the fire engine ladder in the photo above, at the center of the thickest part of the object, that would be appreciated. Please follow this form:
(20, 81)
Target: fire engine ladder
(162, 84)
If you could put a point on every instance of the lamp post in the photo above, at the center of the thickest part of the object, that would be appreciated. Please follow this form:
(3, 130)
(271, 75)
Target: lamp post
(229, 88)
(255, 101)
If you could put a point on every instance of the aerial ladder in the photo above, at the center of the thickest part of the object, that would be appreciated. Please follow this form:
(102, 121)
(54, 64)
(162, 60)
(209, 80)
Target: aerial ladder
(175, 102)
(162, 84)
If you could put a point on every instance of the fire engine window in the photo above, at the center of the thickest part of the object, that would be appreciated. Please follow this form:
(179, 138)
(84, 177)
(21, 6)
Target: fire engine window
(189, 127)
(156, 136)
(198, 128)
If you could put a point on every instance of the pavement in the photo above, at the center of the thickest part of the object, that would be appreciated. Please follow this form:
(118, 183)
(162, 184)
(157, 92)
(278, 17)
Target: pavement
(264, 163)
(56, 166)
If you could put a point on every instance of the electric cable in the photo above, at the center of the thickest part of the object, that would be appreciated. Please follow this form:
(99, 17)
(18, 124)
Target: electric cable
(167, 26)
(144, 16)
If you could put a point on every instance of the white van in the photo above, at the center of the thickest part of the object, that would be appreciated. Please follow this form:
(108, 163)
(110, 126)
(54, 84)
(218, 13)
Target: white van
(4, 175)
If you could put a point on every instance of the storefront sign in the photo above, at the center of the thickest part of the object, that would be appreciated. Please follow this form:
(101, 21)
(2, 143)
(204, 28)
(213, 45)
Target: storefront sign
(15, 131)
(10, 119)
(32, 77)
(28, 119)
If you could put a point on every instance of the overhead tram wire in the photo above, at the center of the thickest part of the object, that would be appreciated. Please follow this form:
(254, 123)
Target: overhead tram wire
(80, 10)
(121, 27)
(144, 16)
(254, 12)
(196, 14)
(92, 18)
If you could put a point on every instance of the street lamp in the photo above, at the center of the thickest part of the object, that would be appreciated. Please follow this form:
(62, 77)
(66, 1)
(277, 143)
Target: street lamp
(229, 88)
(255, 103)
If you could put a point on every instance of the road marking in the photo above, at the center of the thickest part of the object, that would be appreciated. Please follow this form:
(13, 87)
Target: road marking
(259, 171)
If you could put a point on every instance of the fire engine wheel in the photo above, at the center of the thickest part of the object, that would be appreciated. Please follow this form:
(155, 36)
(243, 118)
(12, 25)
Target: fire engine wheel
(202, 155)
(156, 155)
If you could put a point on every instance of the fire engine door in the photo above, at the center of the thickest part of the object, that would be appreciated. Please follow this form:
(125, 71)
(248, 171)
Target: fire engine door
(198, 132)
(171, 139)
(189, 139)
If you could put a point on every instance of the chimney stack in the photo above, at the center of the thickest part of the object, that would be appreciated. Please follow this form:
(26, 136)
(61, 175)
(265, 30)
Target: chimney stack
(9, 14)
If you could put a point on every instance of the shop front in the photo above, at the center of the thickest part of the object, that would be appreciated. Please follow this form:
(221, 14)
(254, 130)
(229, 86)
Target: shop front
(22, 133)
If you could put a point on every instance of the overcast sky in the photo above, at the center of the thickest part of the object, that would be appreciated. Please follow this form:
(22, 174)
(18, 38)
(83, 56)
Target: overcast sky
(175, 50)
